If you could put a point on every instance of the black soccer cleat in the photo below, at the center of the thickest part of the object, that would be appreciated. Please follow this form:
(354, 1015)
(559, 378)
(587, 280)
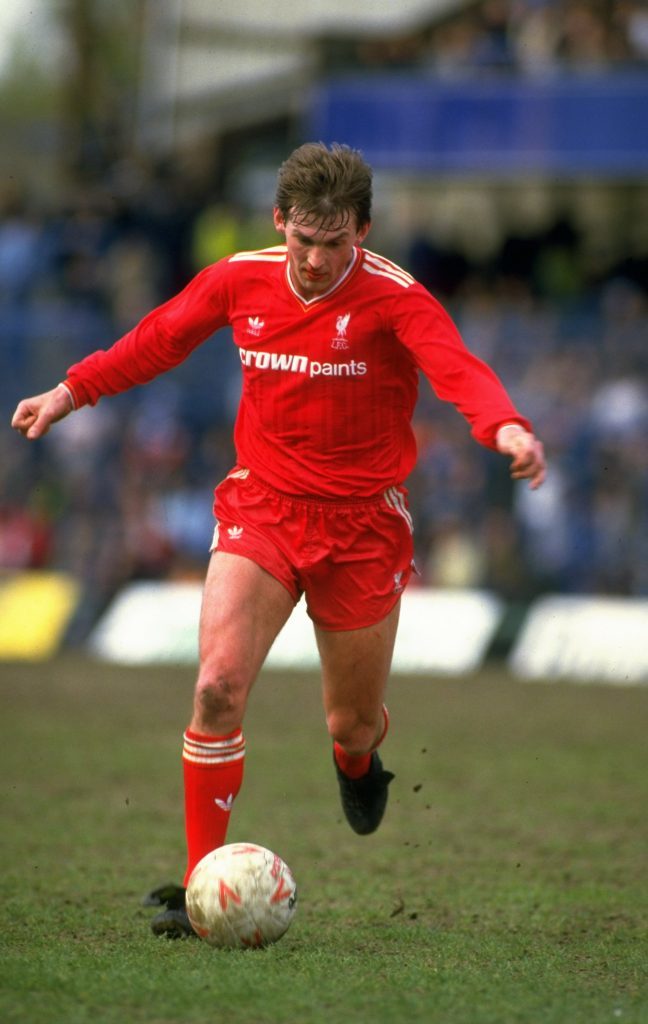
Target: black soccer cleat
(364, 800)
(172, 922)
(171, 896)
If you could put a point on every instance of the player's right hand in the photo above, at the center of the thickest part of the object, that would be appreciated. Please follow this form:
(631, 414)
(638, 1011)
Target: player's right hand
(34, 416)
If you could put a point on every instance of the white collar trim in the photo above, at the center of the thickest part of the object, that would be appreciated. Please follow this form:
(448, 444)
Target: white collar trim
(317, 298)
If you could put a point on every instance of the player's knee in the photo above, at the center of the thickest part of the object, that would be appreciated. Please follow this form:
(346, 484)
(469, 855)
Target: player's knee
(354, 732)
(219, 697)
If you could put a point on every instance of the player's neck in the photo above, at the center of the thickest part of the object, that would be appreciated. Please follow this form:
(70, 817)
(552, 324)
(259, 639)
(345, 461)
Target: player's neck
(307, 299)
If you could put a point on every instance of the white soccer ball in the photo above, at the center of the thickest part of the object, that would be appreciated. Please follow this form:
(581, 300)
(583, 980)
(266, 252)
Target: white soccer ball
(241, 895)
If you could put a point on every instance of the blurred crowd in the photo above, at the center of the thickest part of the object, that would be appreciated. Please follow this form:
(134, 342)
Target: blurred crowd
(525, 36)
(124, 491)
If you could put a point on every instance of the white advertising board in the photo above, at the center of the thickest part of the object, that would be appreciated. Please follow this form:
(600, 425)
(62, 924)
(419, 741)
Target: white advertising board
(440, 631)
(149, 623)
(584, 639)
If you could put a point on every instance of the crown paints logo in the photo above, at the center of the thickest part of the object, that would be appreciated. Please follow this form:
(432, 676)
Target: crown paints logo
(301, 364)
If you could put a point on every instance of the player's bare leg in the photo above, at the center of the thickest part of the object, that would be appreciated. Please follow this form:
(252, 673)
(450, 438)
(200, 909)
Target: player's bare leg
(355, 669)
(243, 610)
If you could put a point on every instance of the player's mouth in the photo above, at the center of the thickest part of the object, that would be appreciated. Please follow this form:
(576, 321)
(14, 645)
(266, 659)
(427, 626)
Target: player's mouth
(314, 275)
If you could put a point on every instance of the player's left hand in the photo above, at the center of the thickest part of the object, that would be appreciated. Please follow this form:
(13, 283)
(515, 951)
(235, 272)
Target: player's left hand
(526, 453)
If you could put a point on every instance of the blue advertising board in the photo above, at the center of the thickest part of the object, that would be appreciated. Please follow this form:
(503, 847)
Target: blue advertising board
(562, 125)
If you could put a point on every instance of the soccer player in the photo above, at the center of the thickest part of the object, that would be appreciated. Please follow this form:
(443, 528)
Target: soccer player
(331, 337)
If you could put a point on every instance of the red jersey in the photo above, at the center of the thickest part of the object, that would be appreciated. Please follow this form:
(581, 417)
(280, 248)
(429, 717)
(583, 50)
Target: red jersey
(329, 384)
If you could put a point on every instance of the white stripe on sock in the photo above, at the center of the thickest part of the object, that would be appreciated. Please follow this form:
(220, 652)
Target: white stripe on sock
(214, 752)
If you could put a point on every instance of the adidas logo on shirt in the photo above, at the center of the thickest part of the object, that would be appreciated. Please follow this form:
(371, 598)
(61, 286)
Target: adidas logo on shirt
(255, 325)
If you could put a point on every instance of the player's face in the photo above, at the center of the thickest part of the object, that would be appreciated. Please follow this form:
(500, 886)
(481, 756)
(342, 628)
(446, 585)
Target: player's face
(318, 257)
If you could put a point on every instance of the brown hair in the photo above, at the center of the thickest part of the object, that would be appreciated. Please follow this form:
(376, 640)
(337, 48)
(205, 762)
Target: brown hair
(327, 186)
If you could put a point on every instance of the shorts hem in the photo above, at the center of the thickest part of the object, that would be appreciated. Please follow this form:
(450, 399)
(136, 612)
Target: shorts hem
(363, 625)
(294, 591)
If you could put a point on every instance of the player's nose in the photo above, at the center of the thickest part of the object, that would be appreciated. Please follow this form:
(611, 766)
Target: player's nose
(316, 258)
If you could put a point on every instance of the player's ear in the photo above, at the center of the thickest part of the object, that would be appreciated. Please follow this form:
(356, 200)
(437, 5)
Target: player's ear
(279, 221)
(363, 231)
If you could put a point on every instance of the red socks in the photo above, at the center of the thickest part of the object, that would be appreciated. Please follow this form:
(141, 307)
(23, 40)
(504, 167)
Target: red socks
(357, 765)
(213, 773)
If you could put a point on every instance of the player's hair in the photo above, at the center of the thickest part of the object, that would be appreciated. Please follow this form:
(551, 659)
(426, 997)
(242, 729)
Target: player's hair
(325, 186)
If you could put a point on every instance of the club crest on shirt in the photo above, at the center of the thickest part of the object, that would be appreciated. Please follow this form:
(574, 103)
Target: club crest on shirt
(341, 324)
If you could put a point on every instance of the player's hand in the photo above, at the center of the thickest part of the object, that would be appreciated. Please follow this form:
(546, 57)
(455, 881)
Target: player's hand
(526, 453)
(34, 416)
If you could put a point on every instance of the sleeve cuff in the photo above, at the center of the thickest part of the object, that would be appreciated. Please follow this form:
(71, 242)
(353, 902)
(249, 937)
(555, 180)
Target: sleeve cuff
(70, 393)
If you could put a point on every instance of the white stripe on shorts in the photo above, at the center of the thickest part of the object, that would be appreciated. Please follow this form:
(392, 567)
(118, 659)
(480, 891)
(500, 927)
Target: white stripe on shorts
(396, 501)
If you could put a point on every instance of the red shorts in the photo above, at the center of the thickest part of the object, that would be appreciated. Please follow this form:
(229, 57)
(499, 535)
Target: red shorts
(351, 559)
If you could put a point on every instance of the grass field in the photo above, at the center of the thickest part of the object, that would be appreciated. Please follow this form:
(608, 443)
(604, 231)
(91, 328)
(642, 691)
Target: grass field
(507, 883)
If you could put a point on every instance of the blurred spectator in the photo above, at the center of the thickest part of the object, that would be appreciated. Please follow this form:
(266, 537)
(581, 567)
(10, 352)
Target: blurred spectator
(25, 538)
(21, 261)
(529, 36)
(537, 36)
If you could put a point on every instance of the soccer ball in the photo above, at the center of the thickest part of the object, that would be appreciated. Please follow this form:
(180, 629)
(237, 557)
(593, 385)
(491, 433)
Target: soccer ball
(241, 895)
